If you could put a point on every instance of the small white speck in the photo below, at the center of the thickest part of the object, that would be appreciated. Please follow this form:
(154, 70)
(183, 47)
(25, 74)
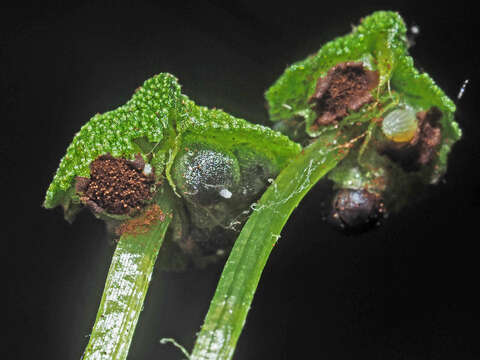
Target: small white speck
(225, 193)
(147, 170)
(415, 29)
(462, 89)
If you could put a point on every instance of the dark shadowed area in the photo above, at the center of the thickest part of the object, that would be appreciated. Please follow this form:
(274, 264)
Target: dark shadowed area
(406, 290)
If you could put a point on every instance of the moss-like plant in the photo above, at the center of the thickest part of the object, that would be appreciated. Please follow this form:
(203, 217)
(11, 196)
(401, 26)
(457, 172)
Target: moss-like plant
(166, 173)
(161, 162)
(356, 100)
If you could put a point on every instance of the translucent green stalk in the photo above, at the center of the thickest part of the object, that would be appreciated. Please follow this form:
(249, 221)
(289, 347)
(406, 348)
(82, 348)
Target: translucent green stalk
(125, 289)
(163, 128)
(378, 44)
(240, 277)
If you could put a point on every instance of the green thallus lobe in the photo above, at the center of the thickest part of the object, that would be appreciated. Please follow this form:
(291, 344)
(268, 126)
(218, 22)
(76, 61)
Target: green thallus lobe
(406, 120)
(216, 163)
(344, 136)
(157, 122)
(162, 154)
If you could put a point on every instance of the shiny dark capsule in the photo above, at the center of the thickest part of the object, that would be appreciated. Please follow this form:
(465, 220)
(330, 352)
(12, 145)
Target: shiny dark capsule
(356, 210)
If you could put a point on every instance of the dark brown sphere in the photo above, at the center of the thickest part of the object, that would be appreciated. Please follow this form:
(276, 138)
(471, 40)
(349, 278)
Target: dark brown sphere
(356, 210)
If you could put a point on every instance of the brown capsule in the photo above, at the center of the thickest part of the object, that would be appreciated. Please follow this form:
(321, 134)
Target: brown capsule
(356, 210)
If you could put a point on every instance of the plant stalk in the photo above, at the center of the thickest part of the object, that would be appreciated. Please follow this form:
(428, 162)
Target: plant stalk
(125, 289)
(241, 274)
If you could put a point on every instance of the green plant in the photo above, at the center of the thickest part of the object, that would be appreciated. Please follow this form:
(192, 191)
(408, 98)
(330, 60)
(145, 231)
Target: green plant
(346, 141)
(164, 172)
(161, 162)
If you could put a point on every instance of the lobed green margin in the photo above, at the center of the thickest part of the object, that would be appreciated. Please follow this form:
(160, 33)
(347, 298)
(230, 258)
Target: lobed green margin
(153, 123)
(380, 42)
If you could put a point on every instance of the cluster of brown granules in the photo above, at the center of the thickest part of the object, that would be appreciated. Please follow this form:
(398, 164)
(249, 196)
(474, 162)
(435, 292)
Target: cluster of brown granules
(116, 185)
(346, 86)
(141, 224)
(429, 136)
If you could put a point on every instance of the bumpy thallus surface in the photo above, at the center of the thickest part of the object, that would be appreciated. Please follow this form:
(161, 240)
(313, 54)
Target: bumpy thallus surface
(154, 122)
(379, 42)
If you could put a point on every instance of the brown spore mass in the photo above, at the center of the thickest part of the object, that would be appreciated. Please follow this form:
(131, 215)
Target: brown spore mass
(116, 185)
(430, 134)
(142, 223)
(345, 87)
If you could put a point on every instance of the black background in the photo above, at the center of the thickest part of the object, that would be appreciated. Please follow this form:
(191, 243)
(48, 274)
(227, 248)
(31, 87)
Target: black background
(404, 291)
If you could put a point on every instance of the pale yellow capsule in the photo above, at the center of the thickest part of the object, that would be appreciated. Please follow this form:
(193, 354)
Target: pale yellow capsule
(400, 125)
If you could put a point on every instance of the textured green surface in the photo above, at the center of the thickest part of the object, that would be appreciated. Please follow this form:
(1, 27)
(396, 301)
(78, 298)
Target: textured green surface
(380, 43)
(158, 121)
(154, 122)
(345, 150)
(148, 114)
